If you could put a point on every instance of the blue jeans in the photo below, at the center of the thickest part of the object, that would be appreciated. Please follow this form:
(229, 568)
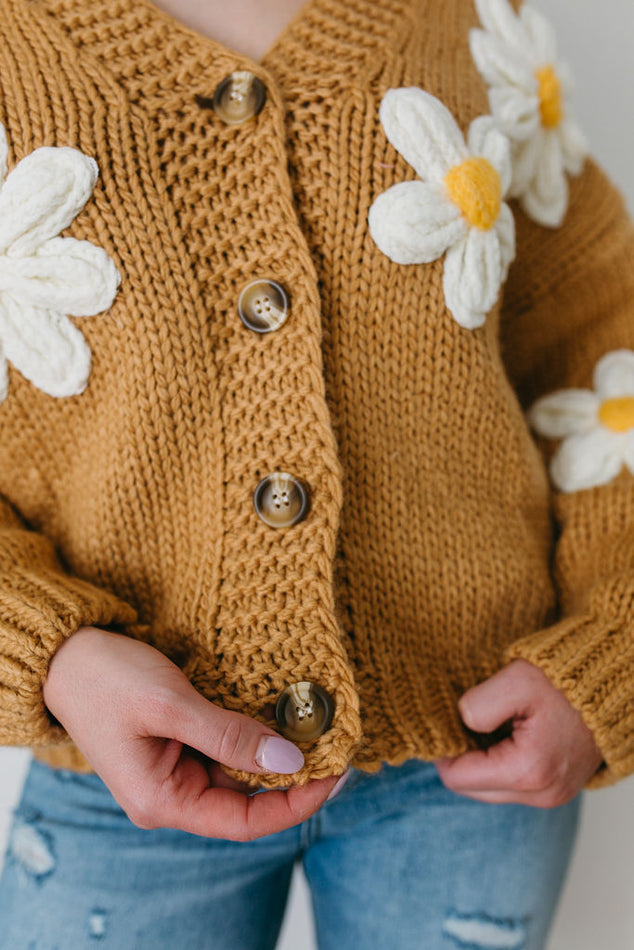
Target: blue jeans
(394, 862)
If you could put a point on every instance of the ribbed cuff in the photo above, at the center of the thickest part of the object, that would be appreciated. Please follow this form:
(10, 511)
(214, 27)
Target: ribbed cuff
(40, 607)
(592, 662)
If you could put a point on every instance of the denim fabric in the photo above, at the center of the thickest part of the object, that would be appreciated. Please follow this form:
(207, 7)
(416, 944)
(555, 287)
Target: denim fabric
(394, 862)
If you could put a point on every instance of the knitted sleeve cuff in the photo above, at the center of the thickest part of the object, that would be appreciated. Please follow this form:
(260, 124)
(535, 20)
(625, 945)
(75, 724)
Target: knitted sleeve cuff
(592, 662)
(40, 606)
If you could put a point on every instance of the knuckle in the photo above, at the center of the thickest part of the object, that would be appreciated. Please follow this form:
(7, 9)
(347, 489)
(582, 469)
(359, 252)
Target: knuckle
(142, 814)
(246, 836)
(557, 797)
(448, 779)
(141, 818)
(230, 741)
(245, 830)
(299, 809)
(535, 777)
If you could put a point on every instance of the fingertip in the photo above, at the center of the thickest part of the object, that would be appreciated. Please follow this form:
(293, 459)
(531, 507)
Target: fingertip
(466, 710)
(289, 807)
(341, 781)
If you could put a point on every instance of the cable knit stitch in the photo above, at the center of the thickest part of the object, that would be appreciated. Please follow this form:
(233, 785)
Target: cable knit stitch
(424, 562)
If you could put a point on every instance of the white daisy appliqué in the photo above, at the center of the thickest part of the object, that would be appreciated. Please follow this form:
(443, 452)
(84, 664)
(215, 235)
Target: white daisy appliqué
(529, 90)
(45, 278)
(457, 207)
(597, 427)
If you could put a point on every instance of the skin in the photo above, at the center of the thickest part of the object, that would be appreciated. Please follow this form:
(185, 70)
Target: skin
(549, 756)
(250, 27)
(156, 742)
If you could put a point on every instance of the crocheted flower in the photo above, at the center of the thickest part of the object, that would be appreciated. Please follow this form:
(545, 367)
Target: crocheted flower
(529, 89)
(43, 277)
(457, 205)
(597, 427)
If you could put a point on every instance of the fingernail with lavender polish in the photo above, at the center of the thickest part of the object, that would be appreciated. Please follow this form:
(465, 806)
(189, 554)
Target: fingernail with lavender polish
(277, 755)
(342, 781)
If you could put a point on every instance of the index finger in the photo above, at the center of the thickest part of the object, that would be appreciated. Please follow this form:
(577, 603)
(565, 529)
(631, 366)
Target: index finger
(497, 767)
(236, 816)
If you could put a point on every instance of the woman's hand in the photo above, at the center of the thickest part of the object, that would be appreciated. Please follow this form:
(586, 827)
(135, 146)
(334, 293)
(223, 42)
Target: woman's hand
(548, 757)
(155, 742)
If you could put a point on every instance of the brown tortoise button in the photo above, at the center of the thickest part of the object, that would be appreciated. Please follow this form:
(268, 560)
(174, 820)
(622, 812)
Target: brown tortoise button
(281, 500)
(238, 98)
(304, 711)
(263, 306)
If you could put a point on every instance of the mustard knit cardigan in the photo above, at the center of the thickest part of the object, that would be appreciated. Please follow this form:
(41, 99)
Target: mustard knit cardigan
(435, 549)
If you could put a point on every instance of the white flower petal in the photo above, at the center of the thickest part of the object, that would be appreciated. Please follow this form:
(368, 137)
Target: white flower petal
(500, 19)
(45, 347)
(486, 140)
(498, 64)
(42, 195)
(423, 130)
(64, 275)
(614, 375)
(509, 53)
(414, 223)
(465, 316)
(4, 156)
(505, 227)
(546, 198)
(516, 111)
(574, 146)
(541, 36)
(587, 460)
(525, 162)
(565, 412)
(472, 277)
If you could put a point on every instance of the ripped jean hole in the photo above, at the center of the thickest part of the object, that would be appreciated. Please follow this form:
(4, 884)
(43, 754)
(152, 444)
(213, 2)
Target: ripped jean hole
(479, 932)
(32, 850)
(97, 924)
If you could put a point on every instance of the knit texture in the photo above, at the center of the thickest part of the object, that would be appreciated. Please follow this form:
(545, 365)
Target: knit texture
(425, 562)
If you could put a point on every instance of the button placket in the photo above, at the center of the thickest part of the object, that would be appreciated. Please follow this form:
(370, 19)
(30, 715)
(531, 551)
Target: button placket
(303, 710)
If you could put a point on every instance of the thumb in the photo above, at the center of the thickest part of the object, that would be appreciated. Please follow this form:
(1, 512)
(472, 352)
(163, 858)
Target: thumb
(233, 739)
(504, 696)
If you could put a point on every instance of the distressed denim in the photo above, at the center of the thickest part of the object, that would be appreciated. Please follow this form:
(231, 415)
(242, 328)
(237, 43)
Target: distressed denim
(394, 862)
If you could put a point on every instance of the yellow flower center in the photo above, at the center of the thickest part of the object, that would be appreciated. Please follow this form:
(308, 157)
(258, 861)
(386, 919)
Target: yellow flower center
(551, 105)
(618, 414)
(476, 188)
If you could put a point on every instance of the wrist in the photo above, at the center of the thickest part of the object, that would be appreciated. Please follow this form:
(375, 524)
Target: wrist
(60, 675)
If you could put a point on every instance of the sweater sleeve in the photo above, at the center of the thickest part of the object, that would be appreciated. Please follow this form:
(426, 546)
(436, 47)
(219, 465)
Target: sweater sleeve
(40, 605)
(569, 301)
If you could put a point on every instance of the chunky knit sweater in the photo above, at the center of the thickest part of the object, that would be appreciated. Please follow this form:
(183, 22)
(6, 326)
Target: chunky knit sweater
(435, 548)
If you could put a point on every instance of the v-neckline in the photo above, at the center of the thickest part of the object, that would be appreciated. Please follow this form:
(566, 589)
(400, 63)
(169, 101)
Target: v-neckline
(205, 38)
(326, 44)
